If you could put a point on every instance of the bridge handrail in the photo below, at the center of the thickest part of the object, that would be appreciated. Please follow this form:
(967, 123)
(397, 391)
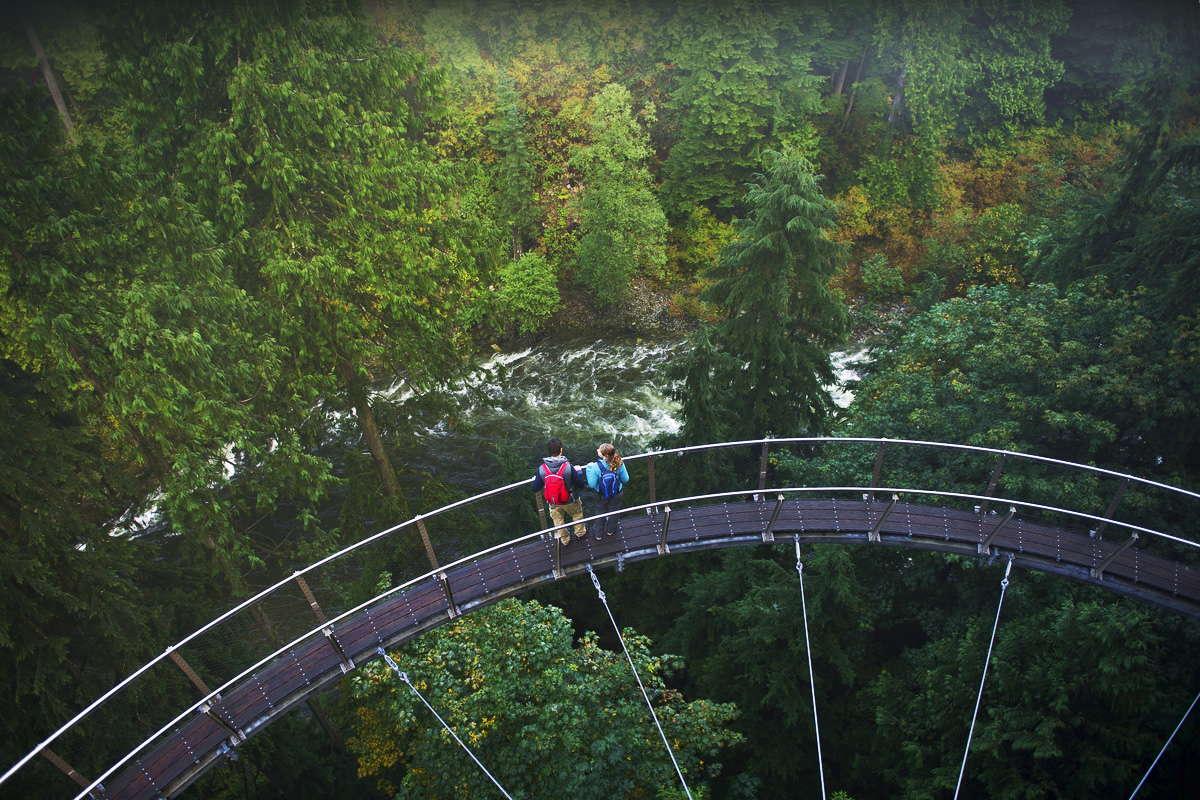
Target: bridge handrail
(921, 442)
(475, 498)
(537, 534)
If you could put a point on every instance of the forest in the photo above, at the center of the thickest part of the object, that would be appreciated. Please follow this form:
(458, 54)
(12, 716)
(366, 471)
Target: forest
(224, 225)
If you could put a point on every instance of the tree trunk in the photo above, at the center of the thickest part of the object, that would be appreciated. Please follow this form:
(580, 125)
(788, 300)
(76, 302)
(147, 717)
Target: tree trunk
(383, 464)
(854, 88)
(898, 100)
(370, 432)
(51, 83)
(840, 79)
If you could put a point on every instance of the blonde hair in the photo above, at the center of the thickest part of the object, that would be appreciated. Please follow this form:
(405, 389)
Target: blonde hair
(611, 456)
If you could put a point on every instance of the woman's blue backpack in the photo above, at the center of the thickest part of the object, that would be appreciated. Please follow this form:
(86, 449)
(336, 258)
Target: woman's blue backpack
(610, 482)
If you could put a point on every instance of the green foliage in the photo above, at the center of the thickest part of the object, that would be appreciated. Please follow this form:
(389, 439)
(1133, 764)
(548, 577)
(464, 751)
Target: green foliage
(696, 245)
(1082, 375)
(744, 620)
(514, 171)
(623, 229)
(1109, 49)
(743, 69)
(1031, 738)
(544, 714)
(881, 279)
(773, 282)
(529, 292)
(85, 598)
(1146, 232)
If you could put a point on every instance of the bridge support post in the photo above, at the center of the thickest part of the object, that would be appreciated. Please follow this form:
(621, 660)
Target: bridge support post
(996, 473)
(312, 601)
(70, 772)
(1098, 572)
(428, 544)
(187, 670)
(558, 570)
(870, 496)
(662, 536)
(1112, 509)
(762, 465)
(237, 736)
(541, 507)
(653, 493)
(313, 703)
(987, 543)
(873, 535)
(769, 533)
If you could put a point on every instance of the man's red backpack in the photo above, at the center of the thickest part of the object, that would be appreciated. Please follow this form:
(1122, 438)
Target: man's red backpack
(555, 491)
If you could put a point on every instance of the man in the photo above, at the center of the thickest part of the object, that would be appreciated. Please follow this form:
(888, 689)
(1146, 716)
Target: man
(558, 480)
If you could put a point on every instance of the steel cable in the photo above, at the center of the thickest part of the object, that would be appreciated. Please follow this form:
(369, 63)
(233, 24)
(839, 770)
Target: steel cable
(404, 677)
(1003, 587)
(646, 697)
(1164, 748)
(812, 680)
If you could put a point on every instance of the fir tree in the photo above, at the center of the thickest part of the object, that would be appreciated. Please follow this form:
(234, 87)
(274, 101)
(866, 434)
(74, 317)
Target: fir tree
(780, 318)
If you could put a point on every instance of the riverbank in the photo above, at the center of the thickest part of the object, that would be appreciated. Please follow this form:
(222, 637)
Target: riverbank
(647, 312)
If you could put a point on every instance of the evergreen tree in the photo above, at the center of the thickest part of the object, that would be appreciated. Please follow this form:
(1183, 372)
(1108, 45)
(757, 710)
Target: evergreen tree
(780, 318)
(743, 82)
(1147, 233)
(312, 160)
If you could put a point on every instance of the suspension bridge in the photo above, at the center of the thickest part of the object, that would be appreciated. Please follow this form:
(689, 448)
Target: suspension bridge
(301, 635)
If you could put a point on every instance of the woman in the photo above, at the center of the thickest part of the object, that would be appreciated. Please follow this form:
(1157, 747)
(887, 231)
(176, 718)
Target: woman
(607, 476)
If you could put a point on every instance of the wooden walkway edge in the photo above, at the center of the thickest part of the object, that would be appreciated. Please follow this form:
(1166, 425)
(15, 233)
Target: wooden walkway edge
(315, 664)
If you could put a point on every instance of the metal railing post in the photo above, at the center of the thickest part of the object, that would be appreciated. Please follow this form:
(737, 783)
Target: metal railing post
(188, 671)
(762, 465)
(1098, 572)
(662, 536)
(312, 601)
(445, 582)
(653, 493)
(69, 771)
(347, 663)
(433, 563)
(986, 543)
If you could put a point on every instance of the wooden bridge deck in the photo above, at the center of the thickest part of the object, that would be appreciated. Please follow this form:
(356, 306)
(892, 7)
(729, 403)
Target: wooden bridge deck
(315, 664)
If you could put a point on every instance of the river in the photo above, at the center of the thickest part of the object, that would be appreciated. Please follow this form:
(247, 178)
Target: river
(583, 390)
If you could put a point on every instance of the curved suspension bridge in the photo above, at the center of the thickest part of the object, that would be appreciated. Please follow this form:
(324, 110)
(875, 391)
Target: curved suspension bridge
(299, 636)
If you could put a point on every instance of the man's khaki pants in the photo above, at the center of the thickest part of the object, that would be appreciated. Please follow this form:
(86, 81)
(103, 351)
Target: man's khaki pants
(573, 510)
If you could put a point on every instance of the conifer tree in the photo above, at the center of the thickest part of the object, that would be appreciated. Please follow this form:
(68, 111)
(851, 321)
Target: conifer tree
(780, 318)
